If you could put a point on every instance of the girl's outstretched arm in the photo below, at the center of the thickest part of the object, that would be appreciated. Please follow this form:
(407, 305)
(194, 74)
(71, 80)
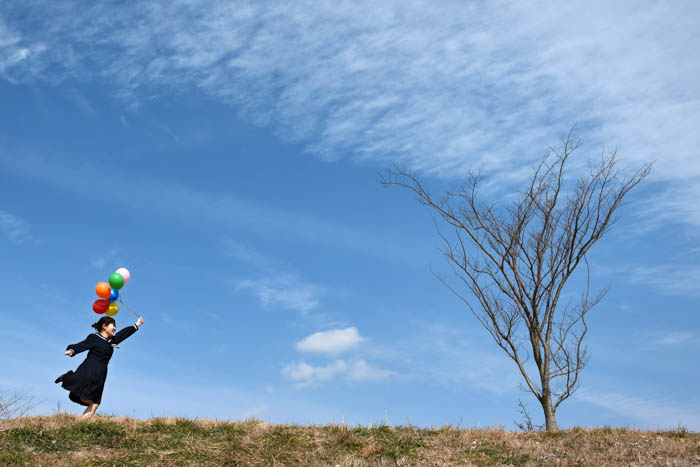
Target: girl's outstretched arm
(87, 344)
(126, 332)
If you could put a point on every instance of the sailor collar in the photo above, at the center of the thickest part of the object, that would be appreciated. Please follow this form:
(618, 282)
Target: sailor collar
(106, 340)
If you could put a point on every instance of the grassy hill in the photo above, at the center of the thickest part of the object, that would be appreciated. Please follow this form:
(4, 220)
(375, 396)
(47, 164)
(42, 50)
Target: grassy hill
(69, 440)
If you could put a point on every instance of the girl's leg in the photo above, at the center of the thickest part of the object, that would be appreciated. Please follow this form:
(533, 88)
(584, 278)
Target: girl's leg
(91, 408)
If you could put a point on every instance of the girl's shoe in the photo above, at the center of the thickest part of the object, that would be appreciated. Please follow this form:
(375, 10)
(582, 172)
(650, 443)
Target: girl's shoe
(60, 378)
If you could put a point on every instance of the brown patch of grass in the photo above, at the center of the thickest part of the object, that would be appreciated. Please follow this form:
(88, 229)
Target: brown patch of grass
(70, 440)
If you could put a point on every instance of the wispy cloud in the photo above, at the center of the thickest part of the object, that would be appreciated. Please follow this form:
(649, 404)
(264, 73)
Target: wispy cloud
(14, 228)
(483, 83)
(281, 286)
(19, 60)
(675, 338)
(241, 252)
(654, 413)
(100, 261)
(80, 101)
(288, 292)
(256, 412)
(452, 358)
(331, 342)
(357, 370)
(360, 370)
(167, 130)
(675, 279)
(662, 204)
(182, 201)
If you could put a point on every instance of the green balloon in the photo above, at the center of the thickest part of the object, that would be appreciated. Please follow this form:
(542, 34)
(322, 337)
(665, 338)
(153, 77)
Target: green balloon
(116, 281)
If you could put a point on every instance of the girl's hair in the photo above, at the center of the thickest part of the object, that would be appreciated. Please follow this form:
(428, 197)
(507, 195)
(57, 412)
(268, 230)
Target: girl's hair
(104, 321)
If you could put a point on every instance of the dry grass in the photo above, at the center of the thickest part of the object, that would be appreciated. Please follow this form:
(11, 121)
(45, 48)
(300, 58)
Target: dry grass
(69, 440)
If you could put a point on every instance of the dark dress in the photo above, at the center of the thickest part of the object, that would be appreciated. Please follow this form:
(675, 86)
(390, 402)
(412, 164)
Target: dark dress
(88, 381)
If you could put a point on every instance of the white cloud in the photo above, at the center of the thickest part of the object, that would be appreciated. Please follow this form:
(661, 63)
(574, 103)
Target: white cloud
(331, 342)
(358, 370)
(484, 83)
(307, 374)
(285, 291)
(16, 229)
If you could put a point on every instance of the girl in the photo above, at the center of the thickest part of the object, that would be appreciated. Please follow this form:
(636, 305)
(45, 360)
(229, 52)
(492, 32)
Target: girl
(88, 381)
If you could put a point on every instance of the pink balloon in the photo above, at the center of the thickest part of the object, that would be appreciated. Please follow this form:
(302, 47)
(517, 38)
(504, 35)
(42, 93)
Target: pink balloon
(125, 273)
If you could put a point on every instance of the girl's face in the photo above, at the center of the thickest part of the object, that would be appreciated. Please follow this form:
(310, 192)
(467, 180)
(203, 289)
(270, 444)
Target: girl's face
(110, 329)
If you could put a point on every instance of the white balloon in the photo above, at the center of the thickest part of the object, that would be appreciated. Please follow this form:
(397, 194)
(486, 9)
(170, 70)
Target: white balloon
(125, 274)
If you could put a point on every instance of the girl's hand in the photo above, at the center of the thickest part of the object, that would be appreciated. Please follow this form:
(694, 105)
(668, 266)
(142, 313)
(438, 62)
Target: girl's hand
(139, 322)
(68, 352)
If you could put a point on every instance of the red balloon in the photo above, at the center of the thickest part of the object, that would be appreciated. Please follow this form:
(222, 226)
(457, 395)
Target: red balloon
(100, 306)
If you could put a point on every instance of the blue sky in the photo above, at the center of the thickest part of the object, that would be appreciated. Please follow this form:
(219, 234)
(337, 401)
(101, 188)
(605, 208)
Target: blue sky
(228, 155)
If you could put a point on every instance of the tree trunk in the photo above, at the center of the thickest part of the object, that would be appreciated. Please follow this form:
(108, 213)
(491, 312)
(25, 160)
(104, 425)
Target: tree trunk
(550, 416)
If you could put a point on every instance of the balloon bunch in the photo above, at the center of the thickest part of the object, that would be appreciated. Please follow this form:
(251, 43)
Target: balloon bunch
(109, 293)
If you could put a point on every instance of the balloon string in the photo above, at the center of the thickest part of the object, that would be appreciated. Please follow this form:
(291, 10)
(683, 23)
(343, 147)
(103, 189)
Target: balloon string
(125, 306)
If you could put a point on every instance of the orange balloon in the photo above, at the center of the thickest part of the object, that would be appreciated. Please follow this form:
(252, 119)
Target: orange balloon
(102, 289)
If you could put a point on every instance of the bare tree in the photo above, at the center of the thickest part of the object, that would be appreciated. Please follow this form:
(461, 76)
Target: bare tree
(516, 259)
(17, 404)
